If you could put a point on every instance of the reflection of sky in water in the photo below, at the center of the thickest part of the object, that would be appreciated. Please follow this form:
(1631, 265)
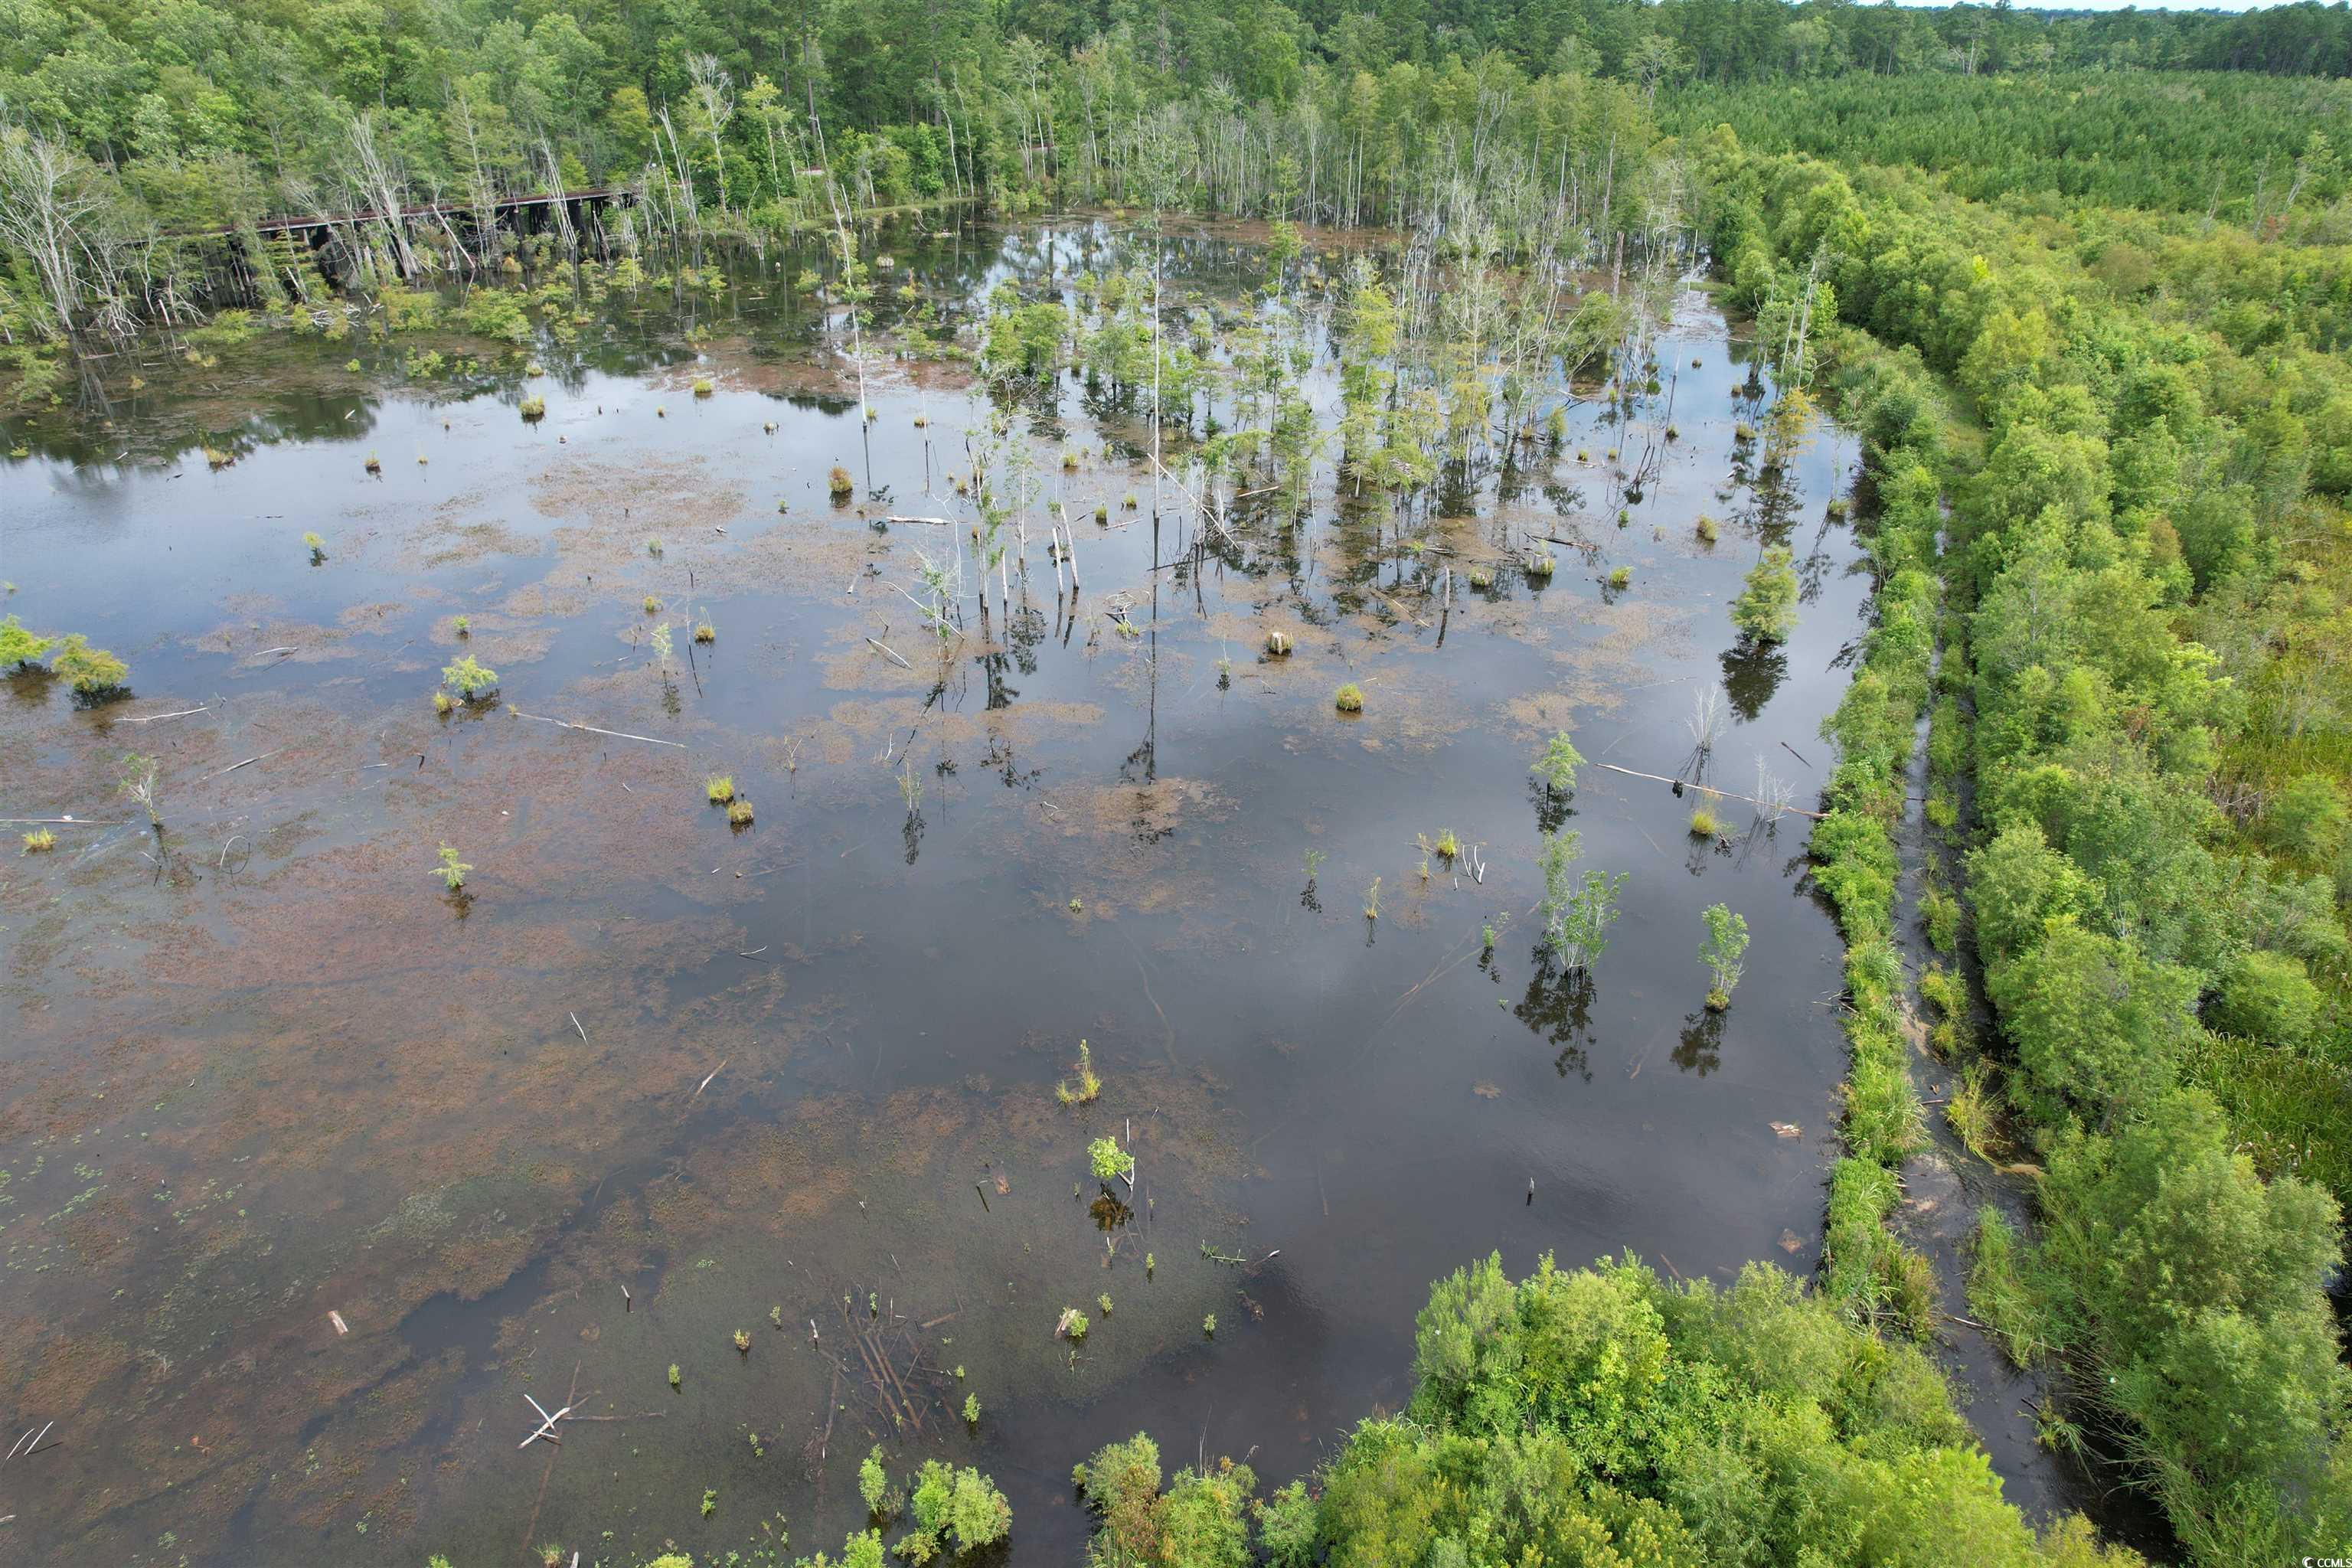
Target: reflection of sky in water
(893, 990)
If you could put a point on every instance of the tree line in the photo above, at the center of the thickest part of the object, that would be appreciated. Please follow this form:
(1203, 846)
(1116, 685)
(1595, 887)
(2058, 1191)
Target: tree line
(124, 129)
(2144, 623)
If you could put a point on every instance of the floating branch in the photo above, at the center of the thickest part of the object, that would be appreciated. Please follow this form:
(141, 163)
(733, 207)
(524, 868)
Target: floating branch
(616, 734)
(1729, 795)
(234, 766)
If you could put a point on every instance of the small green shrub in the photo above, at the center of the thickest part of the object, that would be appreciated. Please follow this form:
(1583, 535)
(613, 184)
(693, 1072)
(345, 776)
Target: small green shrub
(1109, 1161)
(452, 872)
(1765, 609)
(470, 678)
(19, 648)
(1349, 698)
(95, 675)
(1089, 1084)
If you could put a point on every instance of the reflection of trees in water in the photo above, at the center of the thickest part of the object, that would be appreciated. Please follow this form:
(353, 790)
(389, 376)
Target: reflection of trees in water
(994, 668)
(1752, 672)
(1024, 629)
(999, 759)
(1110, 1212)
(1559, 1008)
(1553, 807)
(912, 834)
(1813, 568)
(1700, 1049)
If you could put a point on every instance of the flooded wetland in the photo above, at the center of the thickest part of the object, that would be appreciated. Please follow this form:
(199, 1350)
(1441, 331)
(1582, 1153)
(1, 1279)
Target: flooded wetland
(843, 853)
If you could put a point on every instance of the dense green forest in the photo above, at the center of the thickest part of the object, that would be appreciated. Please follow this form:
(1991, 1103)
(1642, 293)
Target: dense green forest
(2144, 581)
(2084, 282)
(132, 129)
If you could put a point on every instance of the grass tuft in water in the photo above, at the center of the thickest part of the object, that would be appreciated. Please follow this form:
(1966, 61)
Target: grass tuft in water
(1089, 1084)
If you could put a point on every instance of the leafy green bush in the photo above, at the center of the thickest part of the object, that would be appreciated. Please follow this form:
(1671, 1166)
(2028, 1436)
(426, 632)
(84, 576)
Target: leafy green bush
(95, 675)
(1765, 609)
(1201, 1520)
(2268, 997)
(19, 647)
(2306, 819)
(955, 1508)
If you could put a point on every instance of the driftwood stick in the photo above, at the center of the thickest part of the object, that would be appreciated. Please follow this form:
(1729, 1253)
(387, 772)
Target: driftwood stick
(575, 1024)
(831, 1403)
(234, 766)
(1709, 789)
(548, 1474)
(151, 718)
(883, 1355)
(934, 521)
(616, 734)
(891, 652)
(546, 1430)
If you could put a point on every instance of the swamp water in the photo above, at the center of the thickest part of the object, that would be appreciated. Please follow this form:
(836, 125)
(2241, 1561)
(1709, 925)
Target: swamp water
(258, 1069)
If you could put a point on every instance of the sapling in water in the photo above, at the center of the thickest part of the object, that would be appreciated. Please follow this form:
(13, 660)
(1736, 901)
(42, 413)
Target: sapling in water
(452, 872)
(1577, 912)
(1727, 942)
(139, 784)
(1109, 1161)
(1558, 763)
(470, 678)
(1766, 610)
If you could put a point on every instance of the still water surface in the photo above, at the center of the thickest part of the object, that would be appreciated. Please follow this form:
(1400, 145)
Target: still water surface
(800, 1077)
